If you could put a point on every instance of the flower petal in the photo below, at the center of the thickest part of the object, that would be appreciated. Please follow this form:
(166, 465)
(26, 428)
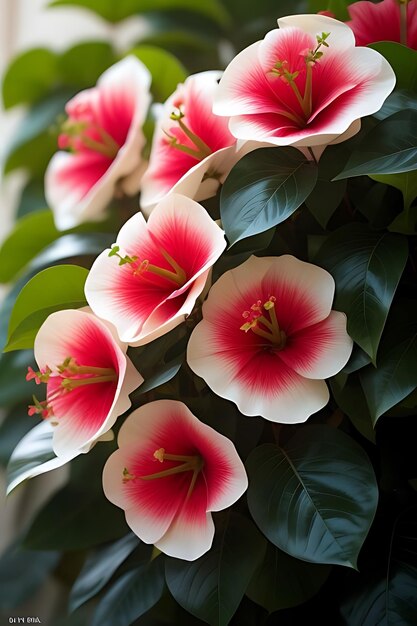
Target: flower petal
(321, 350)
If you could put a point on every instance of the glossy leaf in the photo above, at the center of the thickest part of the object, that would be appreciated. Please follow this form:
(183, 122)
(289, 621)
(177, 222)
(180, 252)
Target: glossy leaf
(264, 189)
(164, 374)
(30, 235)
(212, 587)
(167, 72)
(99, 568)
(132, 595)
(29, 77)
(352, 401)
(15, 425)
(366, 267)
(396, 374)
(406, 182)
(53, 289)
(403, 61)
(32, 456)
(27, 568)
(117, 11)
(389, 148)
(283, 582)
(75, 519)
(314, 497)
(398, 100)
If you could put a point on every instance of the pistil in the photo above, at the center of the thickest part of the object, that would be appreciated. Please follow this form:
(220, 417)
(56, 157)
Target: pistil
(76, 135)
(305, 101)
(200, 150)
(177, 275)
(187, 463)
(258, 322)
(69, 376)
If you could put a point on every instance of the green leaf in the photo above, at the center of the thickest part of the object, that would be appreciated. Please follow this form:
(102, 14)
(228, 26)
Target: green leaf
(167, 72)
(164, 374)
(264, 189)
(212, 587)
(391, 599)
(398, 100)
(352, 401)
(132, 595)
(13, 385)
(366, 267)
(53, 289)
(99, 568)
(388, 148)
(283, 582)
(32, 198)
(339, 8)
(32, 456)
(29, 77)
(396, 374)
(22, 572)
(314, 497)
(328, 194)
(29, 236)
(75, 519)
(35, 142)
(82, 64)
(403, 61)
(117, 11)
(406, 182)
(15, 425)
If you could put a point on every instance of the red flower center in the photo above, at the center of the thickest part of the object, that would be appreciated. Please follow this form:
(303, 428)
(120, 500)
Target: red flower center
(184, 139)
(140, 268)
(262, 320)
(81, 131)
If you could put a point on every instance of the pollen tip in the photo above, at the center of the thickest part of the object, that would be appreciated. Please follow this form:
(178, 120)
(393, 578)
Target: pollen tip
(159, 454)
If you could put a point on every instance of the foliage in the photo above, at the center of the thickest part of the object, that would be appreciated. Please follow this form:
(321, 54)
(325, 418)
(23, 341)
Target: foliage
(327, 530)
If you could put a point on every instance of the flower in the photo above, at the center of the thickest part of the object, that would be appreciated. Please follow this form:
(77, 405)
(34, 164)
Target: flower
(88, 379)
(169, 472)
(192, 149)
(149, 281)
(103, 134)
(382, 22)
(305, 84)
(268, 338)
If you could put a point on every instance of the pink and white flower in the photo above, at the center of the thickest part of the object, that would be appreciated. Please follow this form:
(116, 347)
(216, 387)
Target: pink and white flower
(104, 138)
(389, 20)
(269, 338)
(149, 281)
(169, 473)
(192, 150)
(88, 379)
(304, 84)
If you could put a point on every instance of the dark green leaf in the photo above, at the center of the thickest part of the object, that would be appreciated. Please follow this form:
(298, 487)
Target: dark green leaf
(164, 374)
(35, 140)
(74, 520)
(117, 11)
(212, 587)
(14, 426)
(13, 370)
(352, 401)
(398, 100)
(389, 600)
(367, 267)
(29, 236)
(388, 148)
(32, 198)
(29, 77)
(406, 182)
(32, 456)
(264, 189)
(167, 72)
(396, 374)
(82, 65)
(21, 573)
(132, 595)
(314, 497)
(99, 568)
(403, 61)
(53, 289)
(283, 582)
